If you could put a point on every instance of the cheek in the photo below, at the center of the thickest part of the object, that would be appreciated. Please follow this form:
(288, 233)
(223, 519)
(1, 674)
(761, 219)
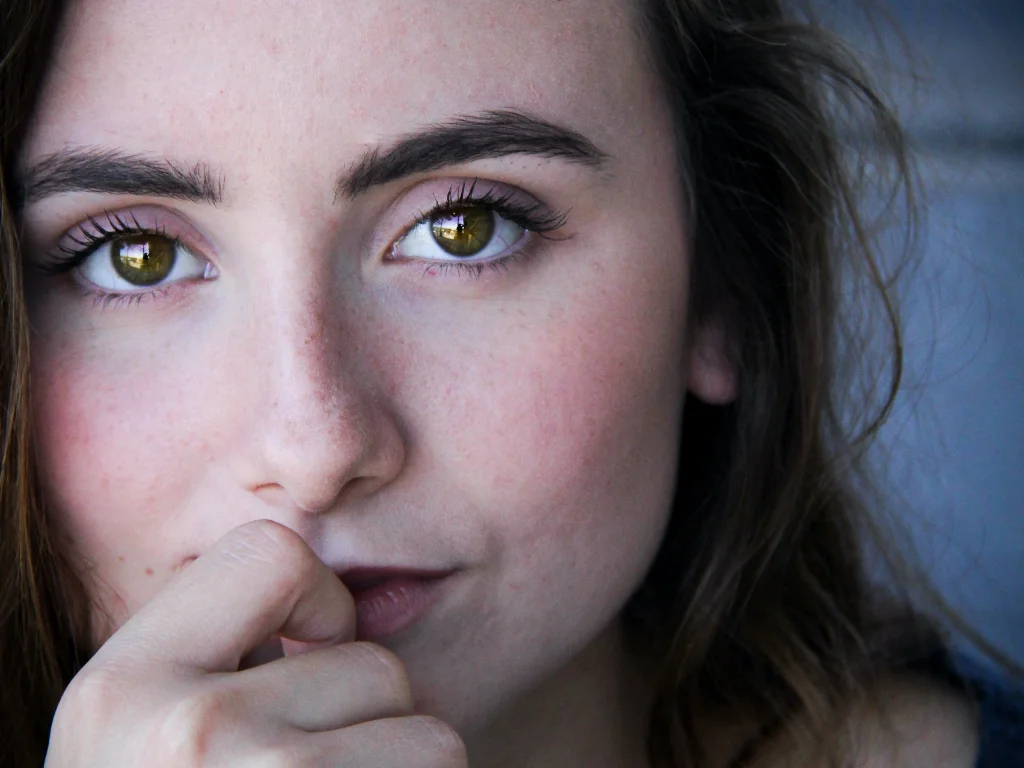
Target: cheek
(115, 448)
(565, 432)
(557, 436)
(590, 437)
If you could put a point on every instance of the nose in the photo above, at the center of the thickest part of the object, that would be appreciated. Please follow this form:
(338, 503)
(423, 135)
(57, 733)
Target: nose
(322, 438)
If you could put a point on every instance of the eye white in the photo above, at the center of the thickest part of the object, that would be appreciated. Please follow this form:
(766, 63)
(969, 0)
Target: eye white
(419, 243)
(99, 270)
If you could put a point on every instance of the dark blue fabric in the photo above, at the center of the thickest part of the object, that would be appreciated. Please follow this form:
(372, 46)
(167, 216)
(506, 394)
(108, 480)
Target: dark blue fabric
(1001, 704)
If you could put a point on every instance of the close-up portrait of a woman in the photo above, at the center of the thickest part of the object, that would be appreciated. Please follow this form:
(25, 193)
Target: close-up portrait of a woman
(491, 383)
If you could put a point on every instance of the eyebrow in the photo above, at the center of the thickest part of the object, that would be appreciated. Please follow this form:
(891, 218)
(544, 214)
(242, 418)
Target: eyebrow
(113, 172)
(463, 139)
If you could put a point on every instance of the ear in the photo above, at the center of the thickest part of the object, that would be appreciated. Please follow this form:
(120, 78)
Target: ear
(711, 374)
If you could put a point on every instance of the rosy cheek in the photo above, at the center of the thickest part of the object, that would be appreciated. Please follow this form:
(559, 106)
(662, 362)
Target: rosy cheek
(102, 437)
(105, 479)
(64, 413)
(73, 450)
(562, 422)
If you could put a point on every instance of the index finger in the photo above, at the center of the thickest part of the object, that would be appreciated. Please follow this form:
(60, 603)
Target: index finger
(259, 579)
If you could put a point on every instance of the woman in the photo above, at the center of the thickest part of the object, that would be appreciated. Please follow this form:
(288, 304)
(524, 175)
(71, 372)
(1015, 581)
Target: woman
(417, 383)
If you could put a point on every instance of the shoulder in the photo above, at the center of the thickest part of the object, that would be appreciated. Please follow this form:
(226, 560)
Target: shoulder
(917, 722)
(910, 721)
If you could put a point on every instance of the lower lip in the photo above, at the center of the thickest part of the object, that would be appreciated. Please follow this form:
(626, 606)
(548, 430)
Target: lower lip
(393, 605)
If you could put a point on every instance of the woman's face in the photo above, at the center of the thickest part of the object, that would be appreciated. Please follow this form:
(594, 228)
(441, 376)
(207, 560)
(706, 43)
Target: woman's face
(316, 357)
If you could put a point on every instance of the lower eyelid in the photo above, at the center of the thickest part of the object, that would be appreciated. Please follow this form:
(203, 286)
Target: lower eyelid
(524, 252)
(524, 241)
(112, 299)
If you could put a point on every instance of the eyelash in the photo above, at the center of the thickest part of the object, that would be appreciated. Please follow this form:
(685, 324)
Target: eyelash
(535, 218)
(66, 259)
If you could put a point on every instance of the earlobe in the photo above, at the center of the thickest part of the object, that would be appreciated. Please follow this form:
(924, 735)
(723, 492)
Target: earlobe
(711, 373)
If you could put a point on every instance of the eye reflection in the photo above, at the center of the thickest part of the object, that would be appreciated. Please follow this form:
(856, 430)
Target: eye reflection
(463, 231)
(143, 259)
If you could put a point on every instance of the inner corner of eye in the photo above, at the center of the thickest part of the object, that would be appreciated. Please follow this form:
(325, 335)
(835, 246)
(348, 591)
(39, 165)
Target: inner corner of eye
(395, 249)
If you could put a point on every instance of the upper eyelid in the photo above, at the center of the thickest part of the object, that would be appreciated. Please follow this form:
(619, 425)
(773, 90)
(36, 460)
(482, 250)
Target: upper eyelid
(395, 222)
(91, 241)
(165, 222)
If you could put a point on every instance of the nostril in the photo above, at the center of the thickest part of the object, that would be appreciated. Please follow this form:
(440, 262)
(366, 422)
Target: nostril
(314, 501)
(272, 494)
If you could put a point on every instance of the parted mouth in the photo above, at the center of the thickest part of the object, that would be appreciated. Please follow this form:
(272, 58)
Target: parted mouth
(361, 579)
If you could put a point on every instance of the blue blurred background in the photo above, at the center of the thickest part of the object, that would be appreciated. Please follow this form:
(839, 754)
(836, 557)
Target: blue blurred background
(954, 447)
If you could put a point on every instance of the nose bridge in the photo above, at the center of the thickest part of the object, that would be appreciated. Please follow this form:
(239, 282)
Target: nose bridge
(305, 366)
(320, 431)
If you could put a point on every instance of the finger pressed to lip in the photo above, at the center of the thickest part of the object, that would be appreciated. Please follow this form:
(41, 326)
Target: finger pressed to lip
(259, 579)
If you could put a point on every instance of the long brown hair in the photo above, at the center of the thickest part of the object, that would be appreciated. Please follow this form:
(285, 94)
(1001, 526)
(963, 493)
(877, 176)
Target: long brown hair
(762, 575)
(758, 603)
(37, 655)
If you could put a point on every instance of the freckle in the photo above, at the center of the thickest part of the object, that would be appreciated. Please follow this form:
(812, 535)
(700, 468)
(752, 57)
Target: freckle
(120, 558)
(149, 571)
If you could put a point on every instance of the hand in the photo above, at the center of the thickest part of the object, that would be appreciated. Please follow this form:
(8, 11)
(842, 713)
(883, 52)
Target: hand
(165, 691)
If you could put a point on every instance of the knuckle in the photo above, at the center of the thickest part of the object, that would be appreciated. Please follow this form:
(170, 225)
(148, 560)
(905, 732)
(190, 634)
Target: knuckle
(90, 697)
(186, 735)
(278, 757)
(387, 667)
(448, 746)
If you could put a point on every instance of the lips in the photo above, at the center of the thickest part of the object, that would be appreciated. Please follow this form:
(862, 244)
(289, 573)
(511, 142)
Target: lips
(360, 580)
(390, 600)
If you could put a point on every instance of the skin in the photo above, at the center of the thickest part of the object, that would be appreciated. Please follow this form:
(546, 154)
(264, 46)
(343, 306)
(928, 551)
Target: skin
(521, 426)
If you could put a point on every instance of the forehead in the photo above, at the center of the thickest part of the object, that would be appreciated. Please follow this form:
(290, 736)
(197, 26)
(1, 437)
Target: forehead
(196, 76)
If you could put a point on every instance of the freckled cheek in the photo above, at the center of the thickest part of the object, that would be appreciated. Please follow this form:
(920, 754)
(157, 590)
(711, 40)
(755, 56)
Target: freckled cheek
(579, 426)
(571, 462)
(565, 426)
(113, 446)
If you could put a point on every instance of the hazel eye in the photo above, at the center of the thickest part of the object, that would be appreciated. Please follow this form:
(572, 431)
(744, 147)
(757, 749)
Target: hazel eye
(463, 231)
(473, 233)
(143, 259)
